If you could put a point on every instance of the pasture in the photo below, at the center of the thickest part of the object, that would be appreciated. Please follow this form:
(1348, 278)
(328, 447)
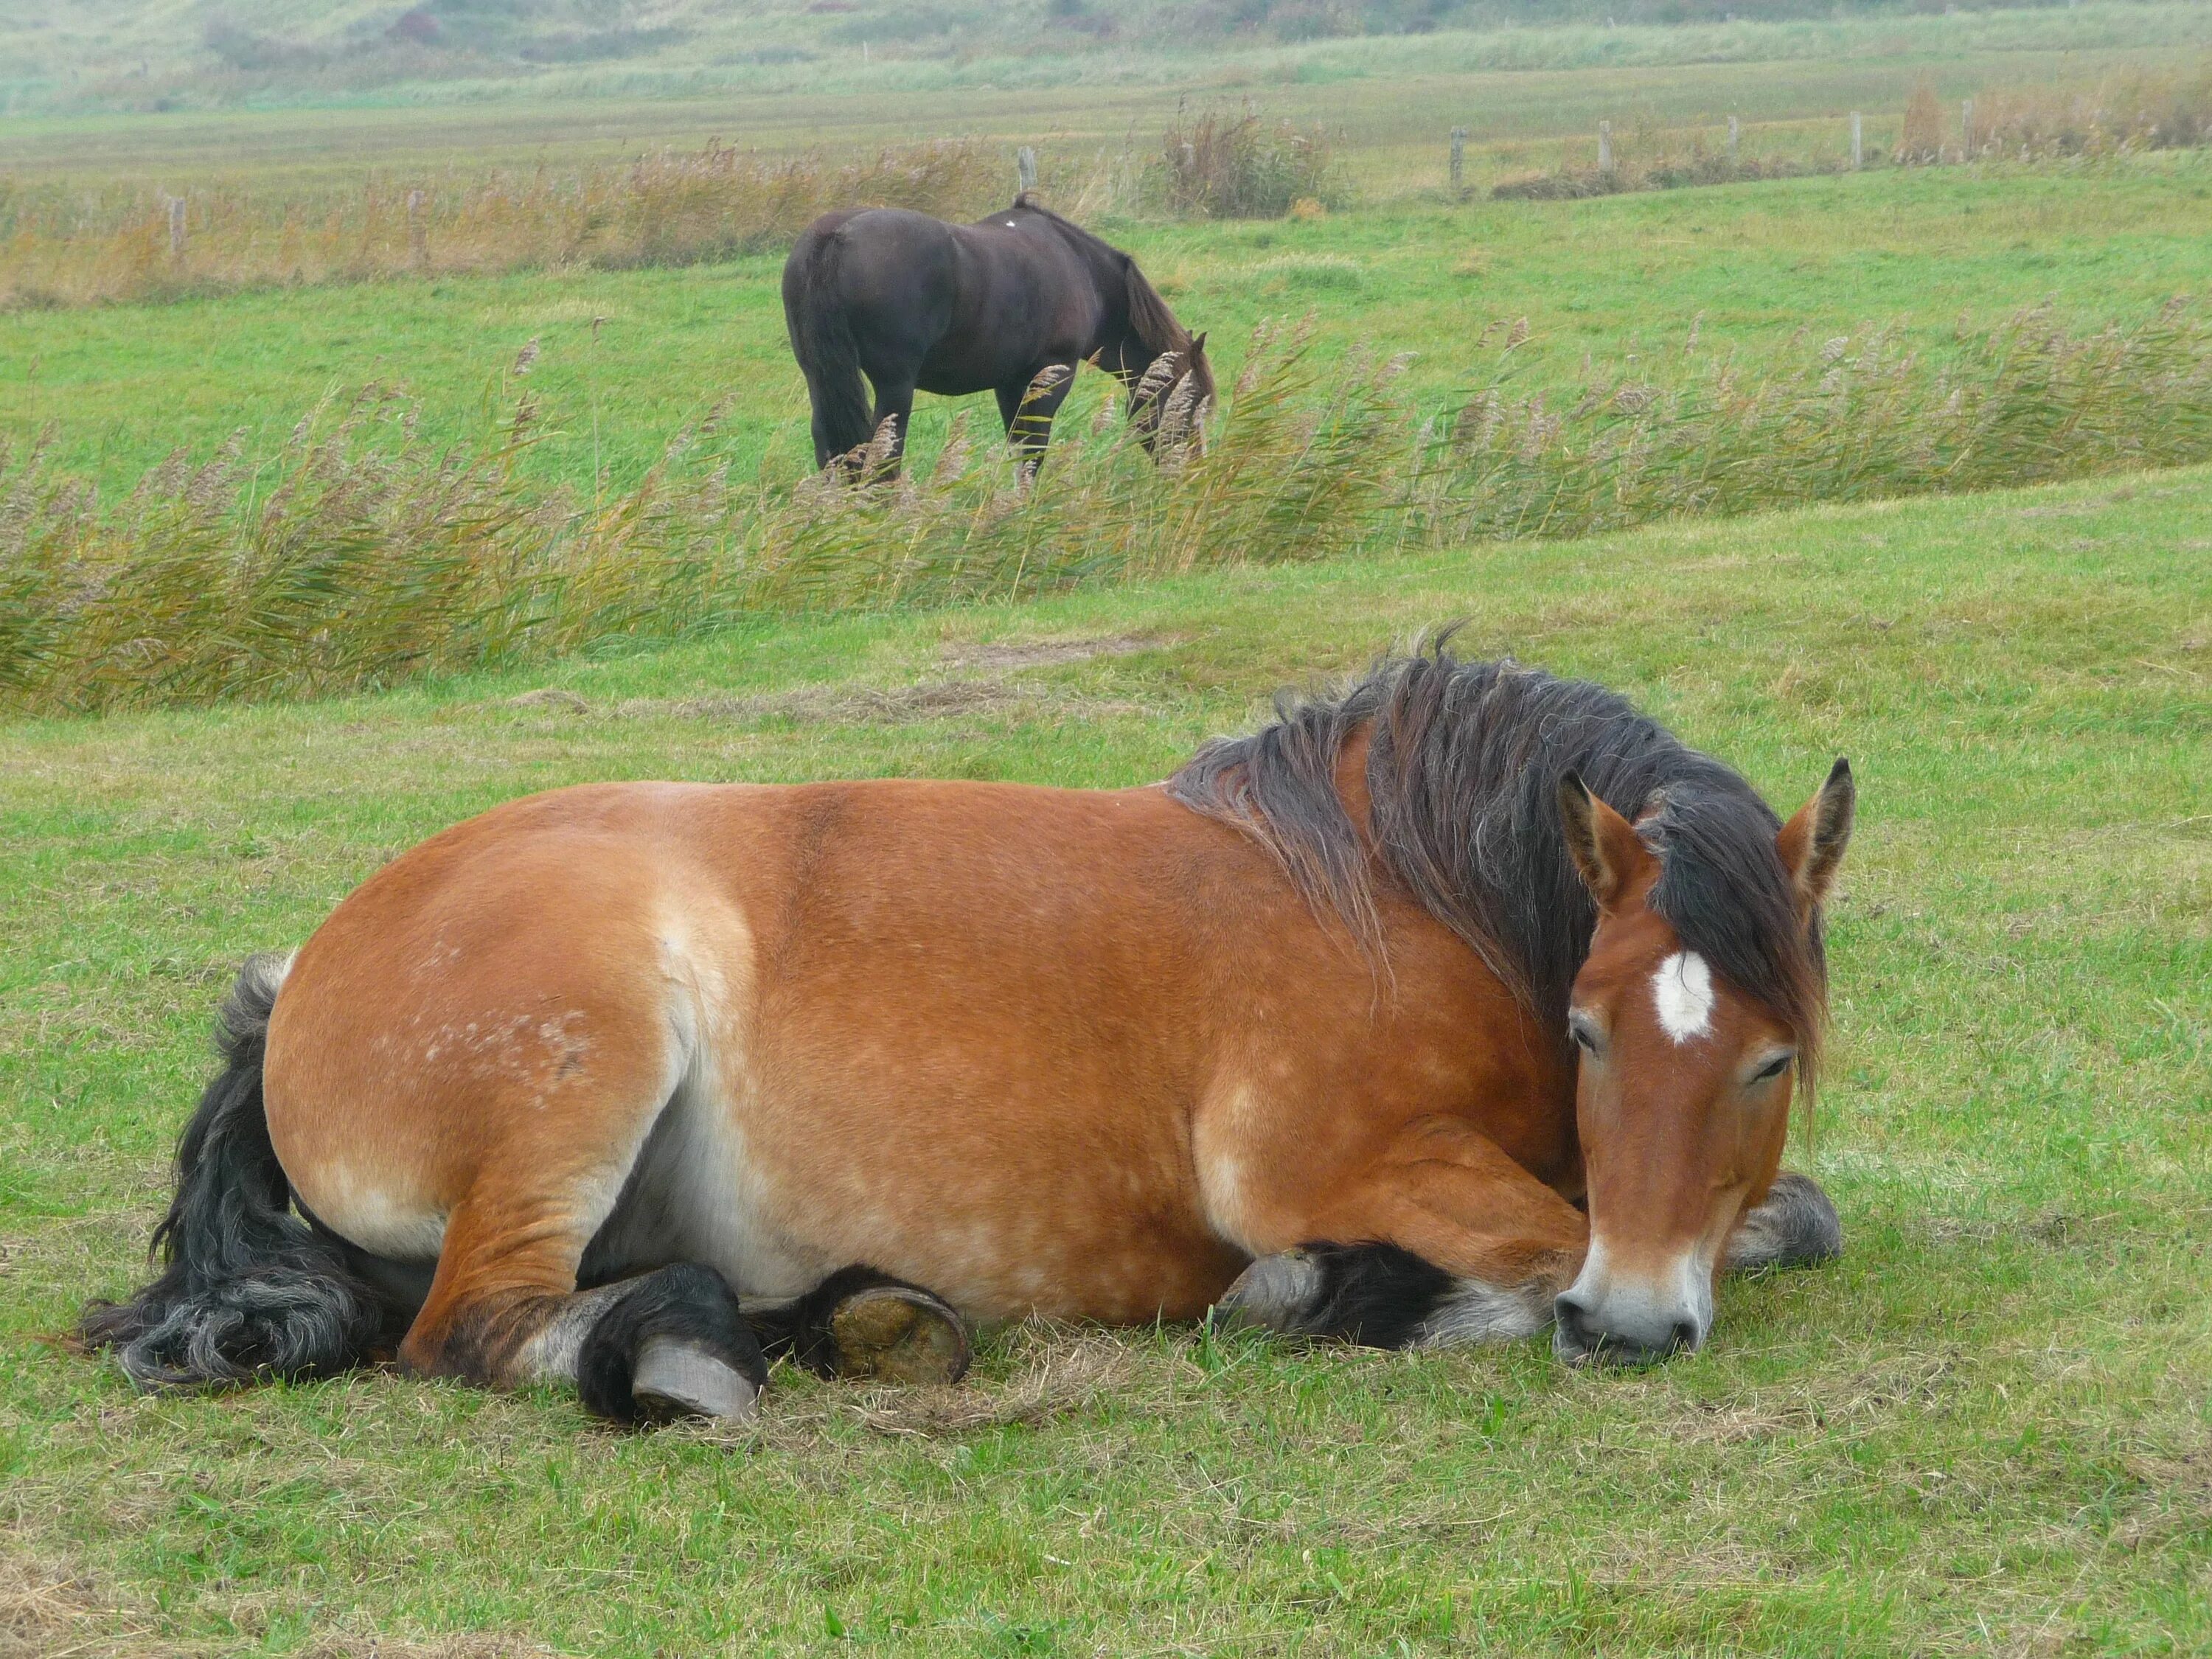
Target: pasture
(628, 357)
(1988, 1429)
(1983, 1432)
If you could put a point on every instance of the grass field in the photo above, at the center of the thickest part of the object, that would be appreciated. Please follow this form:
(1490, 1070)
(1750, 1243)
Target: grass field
(1617, 278)
(1986, 1430)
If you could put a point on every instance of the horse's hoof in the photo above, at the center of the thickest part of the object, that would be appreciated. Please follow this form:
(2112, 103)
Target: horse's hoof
(675, 1379)
(1796, 1227)
(1275, 1292)
(897, 1333)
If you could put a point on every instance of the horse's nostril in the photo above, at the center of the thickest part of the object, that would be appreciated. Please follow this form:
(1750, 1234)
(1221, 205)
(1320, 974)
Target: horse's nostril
(1685, 1335)
(1572, 1318)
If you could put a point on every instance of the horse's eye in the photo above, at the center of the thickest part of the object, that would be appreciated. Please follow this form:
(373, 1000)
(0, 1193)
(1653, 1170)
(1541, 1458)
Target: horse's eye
(1586, 1037)
(1773, 1068)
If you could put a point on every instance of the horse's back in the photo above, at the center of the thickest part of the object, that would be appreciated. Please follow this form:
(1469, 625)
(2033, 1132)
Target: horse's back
(874, 1000)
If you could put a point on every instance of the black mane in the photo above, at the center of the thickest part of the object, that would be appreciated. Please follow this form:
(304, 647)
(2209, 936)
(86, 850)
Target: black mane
(1463, 772)
(1149, 316)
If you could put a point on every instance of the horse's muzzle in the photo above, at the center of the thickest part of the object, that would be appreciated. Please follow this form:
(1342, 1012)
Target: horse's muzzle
(1582, 1336)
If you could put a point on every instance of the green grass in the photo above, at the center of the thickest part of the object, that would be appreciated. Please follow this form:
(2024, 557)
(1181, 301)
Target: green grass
(1985, 1431)
(1617, 277)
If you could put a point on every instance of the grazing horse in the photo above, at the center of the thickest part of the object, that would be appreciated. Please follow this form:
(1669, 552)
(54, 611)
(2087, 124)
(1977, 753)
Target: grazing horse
(1010, 304)
(1468, 1003)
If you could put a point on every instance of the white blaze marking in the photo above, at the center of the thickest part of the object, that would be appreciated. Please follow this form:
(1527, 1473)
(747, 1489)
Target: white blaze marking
(1683, 989)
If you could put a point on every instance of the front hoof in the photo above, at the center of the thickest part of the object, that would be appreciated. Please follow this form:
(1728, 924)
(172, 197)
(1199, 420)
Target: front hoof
(898, 1333)
(1796, 1226)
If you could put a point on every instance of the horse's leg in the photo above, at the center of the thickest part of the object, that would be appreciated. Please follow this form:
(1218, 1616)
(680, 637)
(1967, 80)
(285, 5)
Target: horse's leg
(1028, 411)
(825, 440)
(548, 1157)
(895, 403)
(1443, 1239)
(504, 1311)
(1796, 1226)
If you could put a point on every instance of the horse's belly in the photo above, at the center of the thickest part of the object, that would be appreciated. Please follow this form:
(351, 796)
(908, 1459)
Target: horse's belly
(987, 1206)
(949, 380)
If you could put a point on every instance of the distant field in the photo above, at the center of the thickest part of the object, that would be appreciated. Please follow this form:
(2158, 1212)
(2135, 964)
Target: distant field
(1749, 265)
(1393, 98)
(1983, 1432)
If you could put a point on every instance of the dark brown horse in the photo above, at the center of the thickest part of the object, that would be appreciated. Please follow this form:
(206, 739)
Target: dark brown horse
(1467, 1004)
(1010, 305)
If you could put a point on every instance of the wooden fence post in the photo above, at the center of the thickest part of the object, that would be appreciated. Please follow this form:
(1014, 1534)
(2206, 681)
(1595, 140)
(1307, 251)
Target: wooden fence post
(1967, 130)
(1858, 149)
(418, 235)
(1605, 147)
(1735, 136)
(1458, 158)
(1026, 167)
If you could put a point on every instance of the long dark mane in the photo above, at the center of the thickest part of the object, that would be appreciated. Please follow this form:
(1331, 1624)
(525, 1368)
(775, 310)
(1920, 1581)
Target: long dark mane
(1150, 320)
(1463, 770)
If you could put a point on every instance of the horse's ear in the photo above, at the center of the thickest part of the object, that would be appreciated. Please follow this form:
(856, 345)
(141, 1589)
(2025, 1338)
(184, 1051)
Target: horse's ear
(1198, 343)
(1811, 845)
(1608, 855)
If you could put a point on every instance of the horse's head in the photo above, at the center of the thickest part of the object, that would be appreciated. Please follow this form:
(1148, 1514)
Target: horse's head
(1166, 368)
(1170, 401)
(1695, 1012)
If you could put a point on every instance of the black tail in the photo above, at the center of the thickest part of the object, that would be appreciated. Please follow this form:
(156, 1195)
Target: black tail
(249, 1291)
(821, 339)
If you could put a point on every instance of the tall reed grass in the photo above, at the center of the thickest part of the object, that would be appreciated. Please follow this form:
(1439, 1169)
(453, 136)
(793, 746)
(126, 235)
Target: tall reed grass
(358, 557)
(62, 245)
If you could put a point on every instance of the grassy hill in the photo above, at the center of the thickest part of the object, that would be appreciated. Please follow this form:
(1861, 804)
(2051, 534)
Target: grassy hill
(185, 54)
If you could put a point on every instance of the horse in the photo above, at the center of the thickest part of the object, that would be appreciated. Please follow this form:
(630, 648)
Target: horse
(1009, 304)
(1463, 1004)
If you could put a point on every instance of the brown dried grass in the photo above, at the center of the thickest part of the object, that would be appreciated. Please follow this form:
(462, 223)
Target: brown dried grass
(61, 245)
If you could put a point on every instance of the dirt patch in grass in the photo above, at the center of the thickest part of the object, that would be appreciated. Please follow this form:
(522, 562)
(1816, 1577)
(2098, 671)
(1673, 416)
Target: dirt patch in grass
(1056, 1371)
(903, 705)
(1007, 656)
(49, 1608)
(448, 1647)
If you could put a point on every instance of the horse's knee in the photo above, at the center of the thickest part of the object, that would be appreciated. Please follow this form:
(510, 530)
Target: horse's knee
(1796, 1226)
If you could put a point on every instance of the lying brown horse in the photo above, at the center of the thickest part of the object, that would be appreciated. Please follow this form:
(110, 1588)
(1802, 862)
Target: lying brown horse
(1007, 304)
(1469, 1003)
